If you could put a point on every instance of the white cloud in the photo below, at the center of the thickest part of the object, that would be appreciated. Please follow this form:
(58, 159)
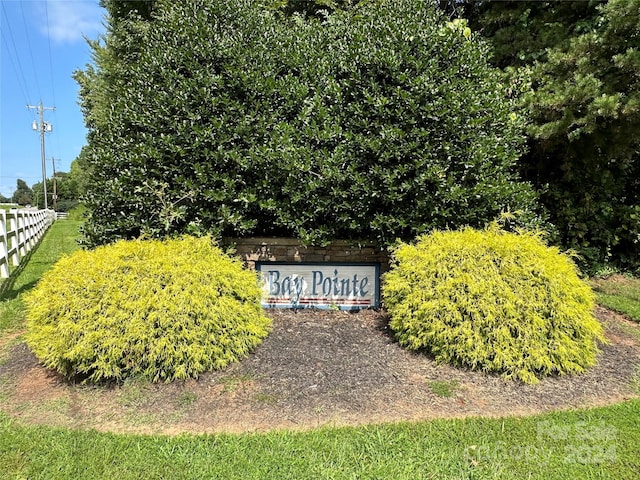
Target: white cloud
(70, 20)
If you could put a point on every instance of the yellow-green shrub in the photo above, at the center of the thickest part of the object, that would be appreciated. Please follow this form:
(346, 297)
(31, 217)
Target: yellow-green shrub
(161, 310)
(493, 301)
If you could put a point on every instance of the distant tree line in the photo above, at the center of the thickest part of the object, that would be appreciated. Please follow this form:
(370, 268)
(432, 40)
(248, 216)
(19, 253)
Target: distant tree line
(69, 188)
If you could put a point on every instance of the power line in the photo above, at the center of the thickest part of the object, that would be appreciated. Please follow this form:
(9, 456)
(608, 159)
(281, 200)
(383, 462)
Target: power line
(19, 177)
(53, 89)
(21, 81)
(21, 78)
(33, 63)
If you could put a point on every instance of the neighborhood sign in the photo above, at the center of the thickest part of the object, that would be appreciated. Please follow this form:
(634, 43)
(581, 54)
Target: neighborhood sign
(346, 286)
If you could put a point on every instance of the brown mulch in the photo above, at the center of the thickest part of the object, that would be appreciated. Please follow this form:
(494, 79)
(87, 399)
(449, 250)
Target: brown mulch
(316, 368)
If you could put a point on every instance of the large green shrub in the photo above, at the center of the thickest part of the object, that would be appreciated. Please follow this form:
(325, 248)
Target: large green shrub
(379, 122)
(161, 310)
(493, 301)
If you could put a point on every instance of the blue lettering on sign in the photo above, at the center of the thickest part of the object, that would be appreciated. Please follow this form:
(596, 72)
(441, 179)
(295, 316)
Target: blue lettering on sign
(363, 283)
(274, 285)
(291, 285)
(345, 286)
(317, 280)
(336, 286)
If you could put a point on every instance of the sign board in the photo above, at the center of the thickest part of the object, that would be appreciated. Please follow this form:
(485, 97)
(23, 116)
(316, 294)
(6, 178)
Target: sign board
(347, 286)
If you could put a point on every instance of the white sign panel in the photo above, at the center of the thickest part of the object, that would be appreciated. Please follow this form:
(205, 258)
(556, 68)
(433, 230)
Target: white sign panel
(325, 285)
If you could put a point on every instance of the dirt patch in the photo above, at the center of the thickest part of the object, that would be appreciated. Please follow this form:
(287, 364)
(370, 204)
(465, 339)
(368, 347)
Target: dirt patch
(316, 368)
(38, 383)
(615, 278)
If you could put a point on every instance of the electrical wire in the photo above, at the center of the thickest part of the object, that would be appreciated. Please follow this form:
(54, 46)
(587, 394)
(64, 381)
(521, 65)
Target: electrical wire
(22, 177)
(53, 89)
(33, 63)
(22, 82)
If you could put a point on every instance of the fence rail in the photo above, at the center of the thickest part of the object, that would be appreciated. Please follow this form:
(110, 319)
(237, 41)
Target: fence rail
(20, 232)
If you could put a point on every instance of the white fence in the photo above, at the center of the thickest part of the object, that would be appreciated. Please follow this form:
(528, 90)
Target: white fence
(20, 232)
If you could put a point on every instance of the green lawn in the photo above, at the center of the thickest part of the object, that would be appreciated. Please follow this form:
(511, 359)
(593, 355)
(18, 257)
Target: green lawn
(600, 443)
(60, 239)
(620, 293)
(588, 444)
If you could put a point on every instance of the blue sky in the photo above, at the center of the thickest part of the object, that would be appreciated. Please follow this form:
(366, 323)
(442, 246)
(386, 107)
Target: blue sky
(42, 44)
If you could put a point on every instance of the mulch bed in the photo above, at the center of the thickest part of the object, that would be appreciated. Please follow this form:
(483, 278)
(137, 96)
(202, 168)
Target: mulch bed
(319, 368)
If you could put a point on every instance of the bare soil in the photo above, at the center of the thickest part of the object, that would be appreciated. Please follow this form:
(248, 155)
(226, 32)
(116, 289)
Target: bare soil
(316, 368)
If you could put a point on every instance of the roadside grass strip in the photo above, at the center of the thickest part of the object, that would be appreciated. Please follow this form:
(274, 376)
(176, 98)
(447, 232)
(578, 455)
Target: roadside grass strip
(600, 443)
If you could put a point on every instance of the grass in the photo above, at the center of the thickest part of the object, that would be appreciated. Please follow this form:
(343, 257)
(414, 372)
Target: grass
(186, 399)
(620, 293)
(443, 388)
(232, 382)
(587, 444)
(133, 393)
(599, 443)
(266, 398)
(60, 239)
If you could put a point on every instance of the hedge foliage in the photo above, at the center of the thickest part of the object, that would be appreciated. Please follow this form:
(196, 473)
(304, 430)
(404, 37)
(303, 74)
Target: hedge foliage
(380, 122)
(161, 310)
(493, 301)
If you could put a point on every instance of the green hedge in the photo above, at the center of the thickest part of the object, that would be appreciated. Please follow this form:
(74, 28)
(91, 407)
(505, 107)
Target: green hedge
(381, 122)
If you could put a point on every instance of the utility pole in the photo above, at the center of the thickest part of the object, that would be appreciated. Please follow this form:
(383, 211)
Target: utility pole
(55, 193)
(42, 127)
